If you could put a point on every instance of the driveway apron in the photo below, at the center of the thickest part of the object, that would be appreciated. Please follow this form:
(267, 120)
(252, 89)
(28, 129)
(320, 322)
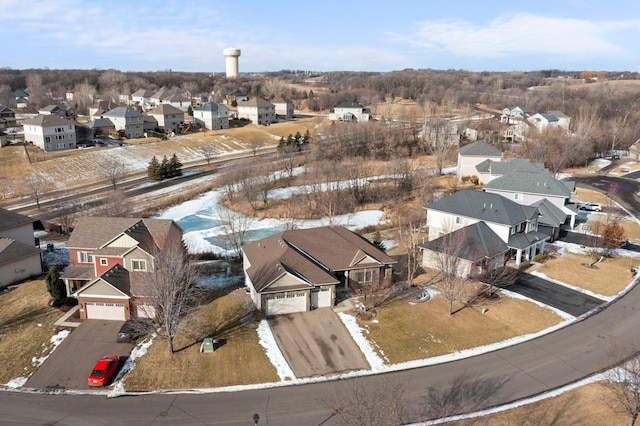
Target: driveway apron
(316, 343)
(555, 295)
(70, 363)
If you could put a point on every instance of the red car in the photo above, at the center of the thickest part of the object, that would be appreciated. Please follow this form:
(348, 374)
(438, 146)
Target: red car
(104, 370)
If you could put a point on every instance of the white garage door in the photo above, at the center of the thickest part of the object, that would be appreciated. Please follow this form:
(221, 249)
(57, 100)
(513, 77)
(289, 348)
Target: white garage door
(286, 304)
(106, 311)
(321, 298)
(145, 310)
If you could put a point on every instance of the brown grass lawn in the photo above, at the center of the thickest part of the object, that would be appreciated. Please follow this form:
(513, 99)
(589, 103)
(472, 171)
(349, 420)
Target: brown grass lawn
(608, 278)
(26, 328)
(406, 332)
(240, 360)
(631, 227)
(587, 406)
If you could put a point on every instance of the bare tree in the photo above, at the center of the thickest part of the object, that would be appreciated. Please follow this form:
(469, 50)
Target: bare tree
(38, 184)
(236, 226)
(409, 223)
(171, 287)
(6, 186)
(255, 145)
(113, 170)
(623, 384)
(209, 152)
(115, 205)
(369, 404)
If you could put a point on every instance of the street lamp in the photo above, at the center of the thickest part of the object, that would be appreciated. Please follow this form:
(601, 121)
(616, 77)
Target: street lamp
(256, 418)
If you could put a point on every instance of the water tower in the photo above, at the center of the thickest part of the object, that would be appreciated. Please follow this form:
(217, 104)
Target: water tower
(232, 54)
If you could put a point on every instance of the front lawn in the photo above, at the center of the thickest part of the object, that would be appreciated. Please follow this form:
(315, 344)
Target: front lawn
(405, 332)
(26, 328)
(240, 360)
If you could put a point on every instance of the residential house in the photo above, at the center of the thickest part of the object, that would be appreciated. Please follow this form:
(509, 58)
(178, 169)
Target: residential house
(22, 98)
(142, 98)
(111, 262)
(634, 151)
(149, 125)
(124, 99)
(100, 107)
(530, 187)
(60, 110)
(515, 224)
(350, 112)
(490, 169)
(237, 96)
(100, 127)
(544, 120)
(7, 117)
(127, 120)
(441, 133)
(300, 270)
(211, 115)
(175, 96)
(564, 120)
(284, 108)
(511, 115)
(50, 132)
(469, 156)
(168, 117)
(19, 255)
(258, 111)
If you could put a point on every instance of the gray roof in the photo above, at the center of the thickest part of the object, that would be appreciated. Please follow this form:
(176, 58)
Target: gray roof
(164, 109)
(10, 220)
(44, 120)
(312, 255)
(12, 250)
(122, 112)
(256, 103)
(479, 242)
(479, 149)
(549, 214)
(513, 164)
(354, 105)
(539, 183)
(100, 122)
(207, 106)
(520, 240)
(484, 206)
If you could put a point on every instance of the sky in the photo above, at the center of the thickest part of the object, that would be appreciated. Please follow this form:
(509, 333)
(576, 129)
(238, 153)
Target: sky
(378, 36)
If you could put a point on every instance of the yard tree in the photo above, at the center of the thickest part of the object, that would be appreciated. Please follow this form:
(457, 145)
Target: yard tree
(236, 228)
(154, 171)
(255, 145)
(623, 383)
(39, 184)
(172, 287)
(613, 237)
(113, 170)
(408, 222)
(209, 152)
(175, 166)
(165, 171)
(55, 286)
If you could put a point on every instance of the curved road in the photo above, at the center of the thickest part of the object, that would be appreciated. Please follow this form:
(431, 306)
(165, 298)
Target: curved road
(502, 376)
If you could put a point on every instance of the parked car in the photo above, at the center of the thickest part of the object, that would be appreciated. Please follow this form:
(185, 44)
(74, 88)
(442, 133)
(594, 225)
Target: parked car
(593, 207)
(104, 370)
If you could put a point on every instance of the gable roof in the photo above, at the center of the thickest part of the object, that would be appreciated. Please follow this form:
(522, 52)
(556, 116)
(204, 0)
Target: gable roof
(549, 213)
(208, 106)
(99, 122)
(44, 120)
(311, 255)
(11, 250)
(484, 206)
(10, 220)
(352, 105)
(122, 112)
(112, 283)
(164, 109)
(513, 164)
(479, 242)
(256, 102)
(479, 149)
(539, 183)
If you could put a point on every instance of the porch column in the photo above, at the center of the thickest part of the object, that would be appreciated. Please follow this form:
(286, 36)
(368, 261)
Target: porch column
(518, 257)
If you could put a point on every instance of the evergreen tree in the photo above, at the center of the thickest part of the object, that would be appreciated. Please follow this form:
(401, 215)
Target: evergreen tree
(154, 171)
(175, 166)
(55, 286)
(377, 241)
(311, 95)
(190, 111)
(165, 168)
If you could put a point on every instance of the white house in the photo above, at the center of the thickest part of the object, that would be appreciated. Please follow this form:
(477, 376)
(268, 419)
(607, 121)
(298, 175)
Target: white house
(544, 120)
(469, 156)
(284, 108)
(258, 111)
(211, 115)
(168, 116)
(142, 98)
(126, 119)
(50, 132)
(19, 256)
(351, 112)
(511, 115)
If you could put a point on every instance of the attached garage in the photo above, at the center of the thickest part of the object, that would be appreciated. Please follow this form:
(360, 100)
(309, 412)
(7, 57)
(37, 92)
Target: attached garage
(105, 311)
(321, 297)
(285, 303)
(145, 310)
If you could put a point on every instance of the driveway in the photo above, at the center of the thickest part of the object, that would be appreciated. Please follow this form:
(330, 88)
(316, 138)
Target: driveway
(71, 362)
(555, 295)
(316, 343)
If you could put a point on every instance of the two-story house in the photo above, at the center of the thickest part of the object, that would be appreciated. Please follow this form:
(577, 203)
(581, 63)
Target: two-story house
(284, 108)
(489, 169)
(299, 270)
(50, 132)
(61, 110)
(257, 110)
(513, 114)
(212, 116)
(110, 262)
(19, 255)
(142, 98)
(514, 224)
(7, 117)
(350, 112)
(469, 156)
(544, 120)
(127, 120)
(167, 116)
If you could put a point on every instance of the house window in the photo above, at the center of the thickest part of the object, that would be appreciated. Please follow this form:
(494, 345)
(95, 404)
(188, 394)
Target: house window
(517, 196)
(85, 257)
(104, 262)
(139, 265)
(364, 275)
(458, 220)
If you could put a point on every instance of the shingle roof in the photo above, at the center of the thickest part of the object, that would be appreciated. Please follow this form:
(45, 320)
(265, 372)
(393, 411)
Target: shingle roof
(481, 149)
(95, 232)
(539, 183)
(354, 105)
(484, 206)
(256, 103)
(549, 213)
(100, 122)
(122, 112)
(207, 106)
(10, 220)
(12, 250)
(164, 109)
(44, 120)
(478, 241)
(514, 164)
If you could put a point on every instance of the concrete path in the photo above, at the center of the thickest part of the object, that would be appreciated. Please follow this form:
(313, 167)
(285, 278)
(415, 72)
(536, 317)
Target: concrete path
(316, 343)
